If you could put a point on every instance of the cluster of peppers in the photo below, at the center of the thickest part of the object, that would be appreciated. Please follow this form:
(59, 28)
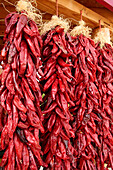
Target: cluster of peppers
(105, 80)
(87, 99)
(57, 80)
(91, 111)
(21, 94)
(93, 104)
(74, 118)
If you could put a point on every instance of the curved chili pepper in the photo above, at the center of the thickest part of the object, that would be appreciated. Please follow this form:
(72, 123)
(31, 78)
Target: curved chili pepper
(49, 82)
(20, 25)
(17, 42)
(31, 139)
(12, 22)
(18, 104)
(23, 58)
(10, 83)
(31, 45)
(28, 89)
(28, 100)
(53, 105)
(3, 98)
(25, 156)
(15, 118)
(12, 53)
(5, 73)
(16, 84)
(33, 165)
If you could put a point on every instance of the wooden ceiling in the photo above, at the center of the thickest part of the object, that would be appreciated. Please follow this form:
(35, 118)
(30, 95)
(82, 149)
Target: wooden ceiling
(92, 12)
(97, 7)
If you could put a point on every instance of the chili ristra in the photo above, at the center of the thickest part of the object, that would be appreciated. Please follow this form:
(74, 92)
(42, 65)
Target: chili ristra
(92, 69)
(21, 94)
(57, 81)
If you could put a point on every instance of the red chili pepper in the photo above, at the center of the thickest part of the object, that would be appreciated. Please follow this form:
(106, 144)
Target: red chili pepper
(50, 72)
(22, 125)
(3, 98)
(15, 118)
(28, 31)
(18, 164)
(62, 148)
(37, 45)
(49, 82)
(28, 89)
(58, 100)
(10, 83)
(12, 53)
(58, 41)
(51, 122)
(13, 65)
(5, 73)
(62, 63)
(53, 105)
(55, 48)
(31, 139)
(30, 67)
(10, 153)
(23, 58)
(17, 42)
(18, 148)
(8, 17)
(16, 84)
(54, 89)
(33, 119)
(23, 116)
(49, 36)
(64, 102)
(31, 45)
(62, 87)
(13, 160)
(11, 35)
(12, 22)
(60, 113)
(18, 104)
(20, 25)
(33, 165)
(25, 155)
(57, 127)
(34, 27)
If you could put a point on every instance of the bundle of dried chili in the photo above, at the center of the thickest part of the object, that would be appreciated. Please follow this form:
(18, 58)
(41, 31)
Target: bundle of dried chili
(105, 80)
(57, 81)
(23, 151)
(92, 69)
(87, 112)
(21, 94)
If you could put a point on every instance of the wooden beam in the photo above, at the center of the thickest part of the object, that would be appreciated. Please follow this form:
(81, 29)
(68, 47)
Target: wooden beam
(104, 12)
(71, 9)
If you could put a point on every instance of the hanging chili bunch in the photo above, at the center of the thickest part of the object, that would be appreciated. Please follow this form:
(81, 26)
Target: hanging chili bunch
(57, 80)
(88, 110)
(105, 79)
(20, 93)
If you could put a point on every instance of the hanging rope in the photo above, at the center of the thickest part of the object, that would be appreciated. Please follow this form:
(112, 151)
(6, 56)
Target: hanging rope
(57, 8)
(81, 15)
(99, 25)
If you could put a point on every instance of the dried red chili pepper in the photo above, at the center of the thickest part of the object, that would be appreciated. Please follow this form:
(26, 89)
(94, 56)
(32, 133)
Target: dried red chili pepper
(57, 88)
(20, 92)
